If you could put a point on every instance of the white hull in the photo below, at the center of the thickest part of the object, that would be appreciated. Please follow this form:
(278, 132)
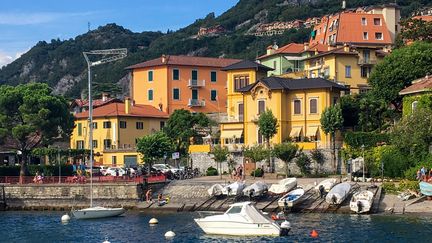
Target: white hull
(256, 190)
(97, 213)
(291, 199)
(215, 190)
(234, 189)
(283, 186)
(238, 228)
(338, 193)
(364, 199)
(328, 184)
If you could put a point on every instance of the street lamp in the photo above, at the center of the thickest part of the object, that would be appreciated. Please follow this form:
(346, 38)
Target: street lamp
(109, 55)
(362, 147)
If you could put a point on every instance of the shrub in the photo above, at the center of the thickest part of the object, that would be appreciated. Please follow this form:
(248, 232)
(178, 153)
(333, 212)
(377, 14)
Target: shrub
(411, 173)
(368, 139)
(304, 163)
(409, 185)
(257, 173)
(389, 187)
(211, 171)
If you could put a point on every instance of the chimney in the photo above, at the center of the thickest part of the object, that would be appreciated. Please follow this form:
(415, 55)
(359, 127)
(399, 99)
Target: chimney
(270, 50)
(346, 48)
(105, 96)
(128, 105)
(163, 59)
(305, 46)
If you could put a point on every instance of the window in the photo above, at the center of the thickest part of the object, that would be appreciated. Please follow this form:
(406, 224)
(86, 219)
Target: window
(335, 100)
(150, 94)
(297, 107)
(176, 74)
(240, 82)
(235, 209)
(194, 74)
(261, 106)
(95, 143)
(107, 143)
(378, 36)
(365, 72)
(94, 125)
(161, 125)
(365, 35)
(213, 95)
(260, 138)
(326, 72)
(106, 124)
(348, 91)
(195, 94)
(213, 76)
(364, 21)
(79, 129)
(139, 125)
(240, 112)
(414, 106)
(80, 144)
(377, 21)
(176, 94)
(347, 71)
(123, 124)
(150, 76)
(366, 55)
(363, 90)
(114, 160)
(313, 106)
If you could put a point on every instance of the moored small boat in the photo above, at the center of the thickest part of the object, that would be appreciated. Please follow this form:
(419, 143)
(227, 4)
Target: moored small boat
(215, 190)
(97, 212)
(290, 199)
(328, 184)
(283, 186)
(338, 193)
(257, 189)
(234, 189)
(361, 201)
(426, 188)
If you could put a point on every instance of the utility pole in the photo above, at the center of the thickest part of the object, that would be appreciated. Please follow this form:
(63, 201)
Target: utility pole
(363, 147)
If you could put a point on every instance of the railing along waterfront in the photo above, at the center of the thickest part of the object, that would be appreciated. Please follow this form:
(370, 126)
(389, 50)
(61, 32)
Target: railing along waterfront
(81, 179)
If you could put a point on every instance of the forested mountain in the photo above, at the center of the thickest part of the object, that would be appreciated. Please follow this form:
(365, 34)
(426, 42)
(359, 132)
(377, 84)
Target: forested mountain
(60, 63)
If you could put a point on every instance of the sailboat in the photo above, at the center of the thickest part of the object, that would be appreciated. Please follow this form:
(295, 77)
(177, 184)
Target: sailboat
(96, 212)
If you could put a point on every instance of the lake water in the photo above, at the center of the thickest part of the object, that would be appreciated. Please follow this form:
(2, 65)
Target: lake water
(133, 227)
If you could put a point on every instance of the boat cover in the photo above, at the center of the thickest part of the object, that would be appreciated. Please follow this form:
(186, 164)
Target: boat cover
(258, 189)
(283, 186)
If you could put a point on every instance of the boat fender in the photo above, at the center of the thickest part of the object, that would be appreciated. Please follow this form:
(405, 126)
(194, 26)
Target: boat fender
(170, 234)
(314, 234)
(274, 217)
(285, 228)
(65, 218)
(153, 221)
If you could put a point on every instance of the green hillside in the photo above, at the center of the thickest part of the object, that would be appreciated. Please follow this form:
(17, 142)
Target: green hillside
(62, 66)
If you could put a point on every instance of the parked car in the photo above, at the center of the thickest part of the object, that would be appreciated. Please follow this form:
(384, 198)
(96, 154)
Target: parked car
(165, 168)
(112, 171)
(96, 170)
(103, 169)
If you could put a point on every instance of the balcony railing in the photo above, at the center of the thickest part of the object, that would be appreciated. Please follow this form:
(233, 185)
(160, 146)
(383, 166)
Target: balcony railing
(121, 147)
(367, 61)
(196, 83)
(196, 103)
(234, 119)
(238, 147)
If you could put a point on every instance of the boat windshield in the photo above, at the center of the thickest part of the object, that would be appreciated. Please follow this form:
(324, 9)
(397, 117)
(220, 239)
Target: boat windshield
(235, 209)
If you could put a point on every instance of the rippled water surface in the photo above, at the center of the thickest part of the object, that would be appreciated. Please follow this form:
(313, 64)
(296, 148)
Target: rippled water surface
(133, 227)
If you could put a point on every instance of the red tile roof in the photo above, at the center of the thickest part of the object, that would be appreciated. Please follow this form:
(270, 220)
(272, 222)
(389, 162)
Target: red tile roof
(418, 86)
(426, 18)
(338, 50)
(118, 109)
(291, 48)
(319, 47)
(96, 102)
(186, 61)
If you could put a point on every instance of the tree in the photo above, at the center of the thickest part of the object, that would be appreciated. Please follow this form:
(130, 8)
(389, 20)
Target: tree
(30, 117)
(256, 153)
(220, 155)
(332, 121)
(319, 159)
(304, 163)
(182, 125)
(154, 147)
(398, 70)
(286, 152)
(415, 30)
(267, 125)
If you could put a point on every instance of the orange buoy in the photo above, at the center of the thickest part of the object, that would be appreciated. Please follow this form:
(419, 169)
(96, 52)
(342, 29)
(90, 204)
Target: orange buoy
(314, 234)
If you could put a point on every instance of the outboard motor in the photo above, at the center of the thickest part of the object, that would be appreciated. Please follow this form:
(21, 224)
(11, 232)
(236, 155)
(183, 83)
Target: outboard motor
(285, 228)
(334, 199)
(359, 206)
(251, 193)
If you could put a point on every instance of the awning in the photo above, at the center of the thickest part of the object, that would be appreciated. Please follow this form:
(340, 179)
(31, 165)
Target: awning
(231, 134)
(295, 132)
(311, 131)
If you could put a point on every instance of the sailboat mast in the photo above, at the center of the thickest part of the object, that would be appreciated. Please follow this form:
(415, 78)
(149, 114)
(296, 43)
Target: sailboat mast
(90, 103)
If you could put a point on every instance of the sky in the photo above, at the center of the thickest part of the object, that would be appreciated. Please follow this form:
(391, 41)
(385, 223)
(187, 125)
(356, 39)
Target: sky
(25, 22)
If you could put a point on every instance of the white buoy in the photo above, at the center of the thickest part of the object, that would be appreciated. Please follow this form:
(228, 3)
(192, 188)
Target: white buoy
(65, 218)
(106, 240)
(285, 228)
(153, 221)
(169, 234)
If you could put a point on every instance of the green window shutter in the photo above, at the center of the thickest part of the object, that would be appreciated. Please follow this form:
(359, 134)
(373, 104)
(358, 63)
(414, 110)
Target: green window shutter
(150, 94)
(150, 76)
(194, 75)
(79, 129)
(213, 76)
(176, 74)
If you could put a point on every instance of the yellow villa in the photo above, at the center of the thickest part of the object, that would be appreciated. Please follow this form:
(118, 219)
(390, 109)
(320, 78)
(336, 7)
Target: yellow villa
(116, 128)
(296, 103)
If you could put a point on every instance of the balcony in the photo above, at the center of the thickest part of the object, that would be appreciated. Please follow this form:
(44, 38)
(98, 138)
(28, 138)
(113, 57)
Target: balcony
(121, 147)
(367, 61)
(196, 103)
(236, 147)
(233, 119)
(196, 83)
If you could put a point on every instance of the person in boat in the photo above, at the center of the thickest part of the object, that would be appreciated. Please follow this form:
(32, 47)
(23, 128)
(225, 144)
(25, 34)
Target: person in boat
(149, 195)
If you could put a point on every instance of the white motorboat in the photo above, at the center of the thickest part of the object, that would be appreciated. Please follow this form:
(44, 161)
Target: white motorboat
(257, 189)
(283, 186)
(215, 190)
(242, 219)
(361, 201)
(234, 189)
(290, 199)
(328, 184)
(338, 193)
(97, 212)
